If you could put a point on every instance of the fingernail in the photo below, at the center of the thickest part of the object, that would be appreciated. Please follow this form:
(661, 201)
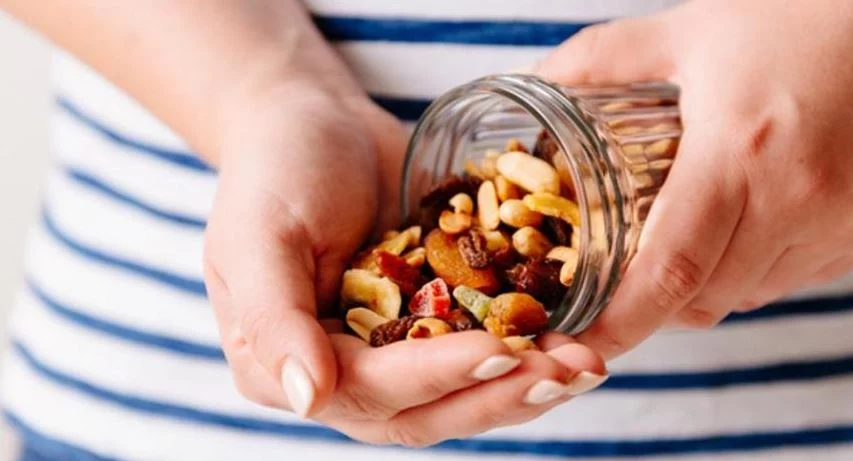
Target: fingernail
(494, 366)
(298, 386)
(545, 391)
(585, 382)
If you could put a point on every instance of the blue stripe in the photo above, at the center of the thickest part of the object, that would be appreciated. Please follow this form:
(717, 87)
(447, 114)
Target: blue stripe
(132, 335)
(795, 309)
(788, 371)
(545, 448)
(500, 33)
(175, 281)
(405, 109)
(85, 179)
(39, 447)
(180, 158)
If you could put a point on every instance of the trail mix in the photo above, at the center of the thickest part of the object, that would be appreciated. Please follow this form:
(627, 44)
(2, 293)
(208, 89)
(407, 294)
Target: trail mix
(491, 249)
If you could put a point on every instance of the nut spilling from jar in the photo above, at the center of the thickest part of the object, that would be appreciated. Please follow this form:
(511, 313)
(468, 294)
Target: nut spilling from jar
(492, 250)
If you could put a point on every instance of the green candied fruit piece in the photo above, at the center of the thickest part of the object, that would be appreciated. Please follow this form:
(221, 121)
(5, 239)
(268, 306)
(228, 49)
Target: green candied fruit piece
(474, 300)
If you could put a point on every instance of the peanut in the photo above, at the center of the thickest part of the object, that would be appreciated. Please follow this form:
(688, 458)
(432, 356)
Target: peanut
(563, 253)
(519, 344)
(661, 147)
(462, 203)
(506, 190)
(388, 235)
(514, 213)
(398, 243)
(487, 206)
(416, 257)
(363, 321)
(531, 243)
(567, 272)
(489, 165)
(553, 205)
(530, 173)
(454, 223)
(569, 257)
(472, 169)
(496, 241)
(378, 294)
(428, 328)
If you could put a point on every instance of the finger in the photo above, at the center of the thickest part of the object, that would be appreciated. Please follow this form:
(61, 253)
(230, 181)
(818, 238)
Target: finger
(376, 383)
(747, 260)
(551, 340)
(251, 379)
(622, 51)
(267, 272)
(540, 383)
(791, 272)
(841, 266)
(690, 225)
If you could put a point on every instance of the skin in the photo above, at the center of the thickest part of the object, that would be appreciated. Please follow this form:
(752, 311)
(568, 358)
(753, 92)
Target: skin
(757, 202)
(300, 150)
(753, 208)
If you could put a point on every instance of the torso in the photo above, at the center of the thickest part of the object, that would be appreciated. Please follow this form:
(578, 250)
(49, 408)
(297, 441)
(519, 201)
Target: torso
(116, 353)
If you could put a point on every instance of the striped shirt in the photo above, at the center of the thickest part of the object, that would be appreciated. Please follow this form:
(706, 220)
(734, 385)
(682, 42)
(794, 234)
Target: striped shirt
(115, 352)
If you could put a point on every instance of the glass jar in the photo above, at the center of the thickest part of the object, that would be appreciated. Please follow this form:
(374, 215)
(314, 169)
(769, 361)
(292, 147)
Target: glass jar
(615, 148)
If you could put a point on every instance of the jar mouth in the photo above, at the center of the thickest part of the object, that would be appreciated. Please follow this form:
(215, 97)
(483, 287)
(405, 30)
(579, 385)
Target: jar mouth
(443, 139)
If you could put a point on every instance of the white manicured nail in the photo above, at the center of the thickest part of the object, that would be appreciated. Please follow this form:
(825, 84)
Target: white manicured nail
(298, 386)
(585, 382)
(545, 391)
(494, 366)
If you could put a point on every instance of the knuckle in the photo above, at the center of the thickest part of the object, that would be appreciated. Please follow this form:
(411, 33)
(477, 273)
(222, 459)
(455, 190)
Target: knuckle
(675, 279)
(698, 318)
(255, 324)
(399, 433)
(608, 338)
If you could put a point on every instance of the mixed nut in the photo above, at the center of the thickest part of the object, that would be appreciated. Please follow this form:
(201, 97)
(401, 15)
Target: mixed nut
(490, 249)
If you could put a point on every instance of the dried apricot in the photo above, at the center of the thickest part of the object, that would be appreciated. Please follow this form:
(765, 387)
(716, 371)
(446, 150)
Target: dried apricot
(447, 262)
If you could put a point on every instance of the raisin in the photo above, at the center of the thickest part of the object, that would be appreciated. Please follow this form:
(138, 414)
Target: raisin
(557, 231)
(472, 246)
(462, 320)
(539, 278)
(407, 277)
(440, 193)
(392, 331)
(545, 147)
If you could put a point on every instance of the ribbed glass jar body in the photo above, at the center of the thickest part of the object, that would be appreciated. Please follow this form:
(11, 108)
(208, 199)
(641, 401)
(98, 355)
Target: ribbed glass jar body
(614, 147)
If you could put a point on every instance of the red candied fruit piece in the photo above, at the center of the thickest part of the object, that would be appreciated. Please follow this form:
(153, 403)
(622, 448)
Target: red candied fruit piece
(432, 300)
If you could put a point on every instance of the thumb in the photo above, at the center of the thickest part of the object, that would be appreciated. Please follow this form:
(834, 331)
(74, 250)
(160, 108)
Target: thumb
(265, 277)
(622, 51)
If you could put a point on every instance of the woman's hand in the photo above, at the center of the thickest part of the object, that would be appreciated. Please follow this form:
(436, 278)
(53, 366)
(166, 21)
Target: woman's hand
(304, 176)
(758, 202)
